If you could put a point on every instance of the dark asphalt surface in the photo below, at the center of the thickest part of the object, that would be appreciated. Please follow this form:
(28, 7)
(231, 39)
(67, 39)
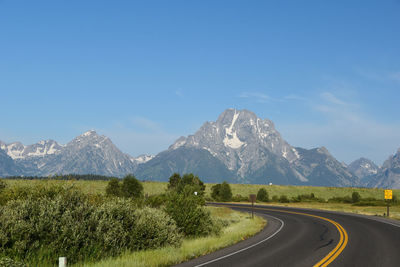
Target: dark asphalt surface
(299, 240)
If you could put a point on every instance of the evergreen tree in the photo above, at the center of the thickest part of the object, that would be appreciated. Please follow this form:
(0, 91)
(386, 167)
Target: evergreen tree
(262, 195)
(355, 197)
(113, 188)
(221, 192)
(131, 187)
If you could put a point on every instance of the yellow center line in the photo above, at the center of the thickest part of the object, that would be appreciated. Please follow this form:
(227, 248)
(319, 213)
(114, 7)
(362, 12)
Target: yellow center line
(333, 254)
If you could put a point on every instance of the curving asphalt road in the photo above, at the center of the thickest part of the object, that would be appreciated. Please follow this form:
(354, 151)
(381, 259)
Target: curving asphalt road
(304, 237)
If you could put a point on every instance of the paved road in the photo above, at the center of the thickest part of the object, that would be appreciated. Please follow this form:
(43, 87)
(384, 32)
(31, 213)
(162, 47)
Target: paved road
(302, 237)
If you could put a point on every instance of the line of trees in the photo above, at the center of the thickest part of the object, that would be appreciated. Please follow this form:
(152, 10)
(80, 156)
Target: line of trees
(89, 177)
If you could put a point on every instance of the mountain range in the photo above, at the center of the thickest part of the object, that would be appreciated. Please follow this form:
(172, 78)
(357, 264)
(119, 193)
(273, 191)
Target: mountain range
(238, 147)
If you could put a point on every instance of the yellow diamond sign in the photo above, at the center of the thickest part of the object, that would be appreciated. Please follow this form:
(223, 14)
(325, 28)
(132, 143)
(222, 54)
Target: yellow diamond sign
(388, 194)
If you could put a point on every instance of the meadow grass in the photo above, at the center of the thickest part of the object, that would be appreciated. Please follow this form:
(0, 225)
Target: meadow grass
(87, 187)
(241, 227)
(342, 207)
(293, 191)
(153, 188)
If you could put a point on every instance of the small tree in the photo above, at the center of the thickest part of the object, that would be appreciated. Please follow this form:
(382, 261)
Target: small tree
(215, 191)
(262, 195)
(113, 188)
(221, 192)
(355, 197)
(131, 187)
(226, 192)
(174, 181)
(178, 183)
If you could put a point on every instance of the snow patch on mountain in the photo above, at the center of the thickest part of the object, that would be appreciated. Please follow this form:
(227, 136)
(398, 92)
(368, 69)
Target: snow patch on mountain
(142, 159)
(17, 150)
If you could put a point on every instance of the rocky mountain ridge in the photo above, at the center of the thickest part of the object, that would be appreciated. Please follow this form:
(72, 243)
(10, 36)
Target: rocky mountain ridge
(253, 151)
(238, 147)
(87, 153)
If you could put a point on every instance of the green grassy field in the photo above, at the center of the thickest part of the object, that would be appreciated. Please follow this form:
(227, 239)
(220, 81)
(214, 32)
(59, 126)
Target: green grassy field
(342, 207)
(152, 188)
(241, 227)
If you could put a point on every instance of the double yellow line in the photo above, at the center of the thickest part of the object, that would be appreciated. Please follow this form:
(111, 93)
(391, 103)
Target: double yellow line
(333, 254)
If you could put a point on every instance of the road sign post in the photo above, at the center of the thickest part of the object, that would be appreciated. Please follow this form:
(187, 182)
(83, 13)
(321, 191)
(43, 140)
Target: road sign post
(252, 199)
(388, 197)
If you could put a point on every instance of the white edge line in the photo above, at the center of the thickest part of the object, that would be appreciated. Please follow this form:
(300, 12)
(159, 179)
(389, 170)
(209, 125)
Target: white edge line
(246, 248)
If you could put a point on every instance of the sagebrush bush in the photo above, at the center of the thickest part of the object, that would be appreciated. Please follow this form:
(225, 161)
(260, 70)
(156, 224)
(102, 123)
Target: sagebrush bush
(122, 225)
(191, 218)
(7, 262)
(39, 230)
(283, 199)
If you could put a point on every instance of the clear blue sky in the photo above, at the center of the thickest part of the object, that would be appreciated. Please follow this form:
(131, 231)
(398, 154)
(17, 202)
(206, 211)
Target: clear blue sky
(146, 72)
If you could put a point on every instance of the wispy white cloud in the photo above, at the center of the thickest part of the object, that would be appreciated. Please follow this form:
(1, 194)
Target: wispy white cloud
(145, 124)
(380, 76)
(345, 129)
(297, 98)
(259, 97)
(331, 98)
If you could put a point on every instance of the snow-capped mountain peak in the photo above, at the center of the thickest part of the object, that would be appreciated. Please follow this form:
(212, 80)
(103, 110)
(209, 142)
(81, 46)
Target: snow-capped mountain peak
(237, 138)
(142, 159)
(363, 167)
(17, 150)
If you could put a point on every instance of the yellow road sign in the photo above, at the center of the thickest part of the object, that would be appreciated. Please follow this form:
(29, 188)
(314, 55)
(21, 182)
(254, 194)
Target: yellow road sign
(388, 194)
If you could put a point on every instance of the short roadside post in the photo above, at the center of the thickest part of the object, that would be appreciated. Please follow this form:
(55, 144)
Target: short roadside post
(62, 262)
(252, 199)
(388, 197)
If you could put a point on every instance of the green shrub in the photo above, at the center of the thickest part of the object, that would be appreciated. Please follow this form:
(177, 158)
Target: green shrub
(156, 201)
(355, 197)
(154, 229)
(122, 226)
(114, 188)
(221, 192)
(395, 200)
(58, 226)
(345, 199)
(130, 187)
(40, 230)
(262, 195)
(239, 198)
(7, 262)
(3, 185)
(31, 192)
(191, 218)
(306, 198)
(189, 180)
(283, 199)
(275, 198)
